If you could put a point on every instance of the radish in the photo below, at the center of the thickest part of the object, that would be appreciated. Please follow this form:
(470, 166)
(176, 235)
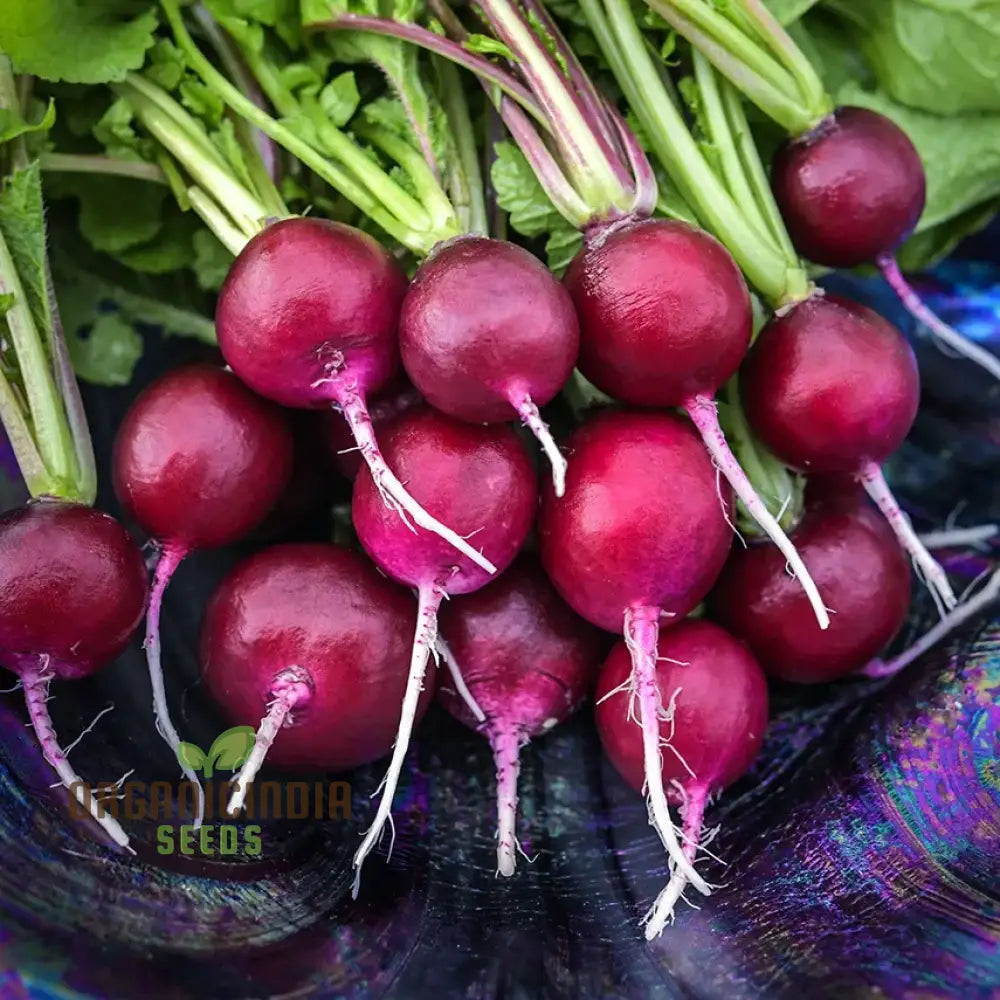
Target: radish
(713, 722)
(309, 644)
(640, 536)
(528, 661)
(480, 479)
(848, 181)
(858, 563)
(664, 313)
(832, 387)
(307, 317)
(73, 590)
(198, 463)
(487, 332)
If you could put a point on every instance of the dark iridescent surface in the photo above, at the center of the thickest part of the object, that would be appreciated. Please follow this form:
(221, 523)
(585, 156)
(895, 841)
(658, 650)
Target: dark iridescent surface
(863, 854)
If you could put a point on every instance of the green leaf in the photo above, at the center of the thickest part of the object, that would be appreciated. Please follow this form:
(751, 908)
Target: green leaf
(114, 130)
(339, 99)
(561, 247)
(12, 124)
(170, 249)
(190, 755)
(937, 55)
(520, 194)
(212, 260)
(7, 300)
(787, 11)
(231, 748)
(202, 101)
(926, 248)
(486, 45)
(165, 64)
(80, 41)
(22, 222)
(107, 352)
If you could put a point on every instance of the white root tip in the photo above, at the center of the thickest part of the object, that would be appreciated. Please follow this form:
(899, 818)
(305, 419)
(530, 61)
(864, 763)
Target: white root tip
(532, 419)
(461, 688)
(704, 415)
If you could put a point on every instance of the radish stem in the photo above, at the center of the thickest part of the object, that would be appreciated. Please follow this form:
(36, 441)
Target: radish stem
(36, 693)
(704, 414)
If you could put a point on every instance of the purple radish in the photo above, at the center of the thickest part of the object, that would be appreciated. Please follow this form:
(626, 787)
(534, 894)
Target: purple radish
(857, 561)
(307, 317)
(310, 644)
(715, 699)
(640, 536)
(73, 590)
(528, 661)
(487, 333)
(665, 320)
(832, 387)
(480, 479)
(198, 463)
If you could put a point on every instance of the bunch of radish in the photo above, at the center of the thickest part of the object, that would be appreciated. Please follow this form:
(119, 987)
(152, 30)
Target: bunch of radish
(465, 554)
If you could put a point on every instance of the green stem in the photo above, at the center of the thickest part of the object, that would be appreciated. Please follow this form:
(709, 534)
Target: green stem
(624, 48)
(465, 177)
(33, 472)
(413, 237)
(209, 212)
(74, 163)
(47, 416)
(264, 185)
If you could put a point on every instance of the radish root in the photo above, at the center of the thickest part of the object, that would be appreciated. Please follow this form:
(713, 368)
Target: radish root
(505, 742)
(393, 492)
(924, 315)
(641, 634)
(532, 419)
(170, 558)
(291, 688)
(927, 567)
(36, 694)
(662, 910)
(461, 688)
(429, 597)
(705, 416)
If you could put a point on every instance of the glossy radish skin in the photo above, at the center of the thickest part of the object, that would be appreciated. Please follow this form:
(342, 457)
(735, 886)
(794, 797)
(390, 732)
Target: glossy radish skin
(328, 612)
(664, 313)
(857, 562)
(306, 302)
(850, 190)
(392, 401)
(483, 325)
(830, 386)
(73, 590)
(528, 662)
(478, 478)
(642, 523)
(665, 320)
(308, 317)
(716, 696)
(199, 460)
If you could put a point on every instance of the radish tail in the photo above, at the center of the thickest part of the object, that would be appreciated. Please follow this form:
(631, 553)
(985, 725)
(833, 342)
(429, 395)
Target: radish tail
(532, 419)
(642, 626)
(291, 688)
(940, 330)
(393, 492)
(36, 693)
(662, 910)
(927, 567)
(505, 742)
(429, 601)
(461, 688)
(705, 416)
(170, 558)
(955, 538)
(966, 610)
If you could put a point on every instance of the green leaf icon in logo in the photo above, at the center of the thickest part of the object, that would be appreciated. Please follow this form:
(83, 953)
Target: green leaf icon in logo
(229, 751)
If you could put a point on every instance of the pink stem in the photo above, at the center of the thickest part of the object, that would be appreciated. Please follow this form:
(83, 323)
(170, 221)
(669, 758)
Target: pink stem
(171, 555)
(36, 693)
(506, 744)
(946, 334)
(392, 490)
(642, 626)
(927, 567)
(662, 910)
(429, 597)
(528, 412)
(705, 416)
(291, 688)
(966, 610)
